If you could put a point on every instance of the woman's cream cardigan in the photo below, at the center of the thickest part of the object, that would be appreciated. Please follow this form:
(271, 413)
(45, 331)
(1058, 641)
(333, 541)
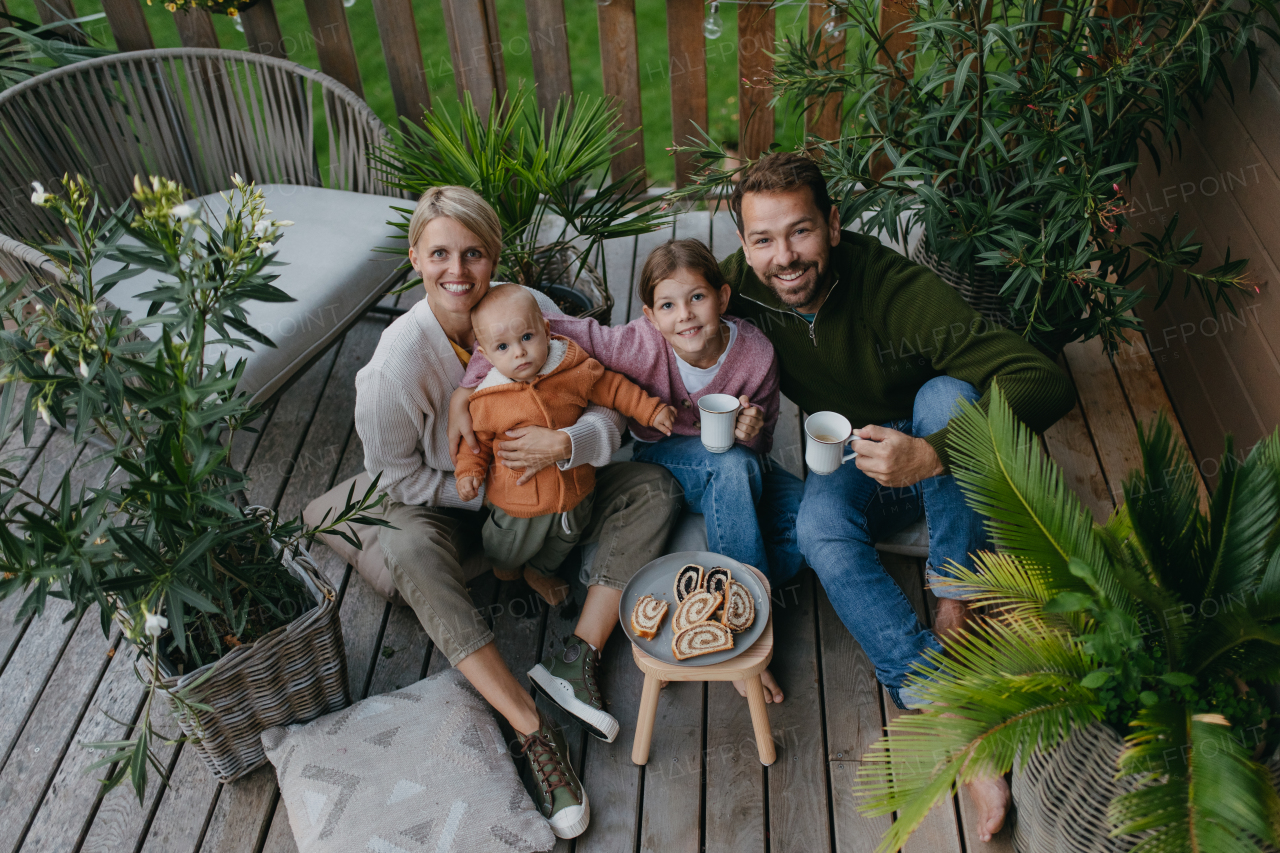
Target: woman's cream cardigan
(402, 413)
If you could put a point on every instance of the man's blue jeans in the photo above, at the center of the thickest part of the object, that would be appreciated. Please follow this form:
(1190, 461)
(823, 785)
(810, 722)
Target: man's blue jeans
(726, 488)
(840, 517)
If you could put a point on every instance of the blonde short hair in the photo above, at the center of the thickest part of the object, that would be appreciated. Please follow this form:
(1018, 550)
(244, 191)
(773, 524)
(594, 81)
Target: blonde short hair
(464, 206)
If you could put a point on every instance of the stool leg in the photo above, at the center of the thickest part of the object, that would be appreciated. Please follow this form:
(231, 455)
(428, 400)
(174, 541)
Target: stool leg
(760, 720)
(644, 722)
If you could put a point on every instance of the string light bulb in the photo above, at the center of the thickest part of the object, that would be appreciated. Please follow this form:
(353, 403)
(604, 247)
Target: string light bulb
(712, 27)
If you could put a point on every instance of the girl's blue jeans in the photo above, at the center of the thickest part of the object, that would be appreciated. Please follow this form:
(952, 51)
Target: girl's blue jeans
(727, 489)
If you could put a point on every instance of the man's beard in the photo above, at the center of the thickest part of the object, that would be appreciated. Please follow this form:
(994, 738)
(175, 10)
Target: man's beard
(797, 298)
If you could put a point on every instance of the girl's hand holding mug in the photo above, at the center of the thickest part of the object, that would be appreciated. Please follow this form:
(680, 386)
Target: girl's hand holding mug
(750, 421)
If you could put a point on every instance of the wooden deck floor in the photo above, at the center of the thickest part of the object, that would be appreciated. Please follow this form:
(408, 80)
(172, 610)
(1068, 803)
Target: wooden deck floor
(703, 789)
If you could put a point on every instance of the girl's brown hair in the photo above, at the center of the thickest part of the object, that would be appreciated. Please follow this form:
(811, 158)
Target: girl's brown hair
(691, 255)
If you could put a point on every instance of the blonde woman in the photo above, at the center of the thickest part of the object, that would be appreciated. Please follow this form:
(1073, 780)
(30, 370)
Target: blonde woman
(402, 399)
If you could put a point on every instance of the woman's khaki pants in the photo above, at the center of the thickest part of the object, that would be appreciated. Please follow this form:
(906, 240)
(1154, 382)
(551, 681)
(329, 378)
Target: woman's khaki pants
(636, 507)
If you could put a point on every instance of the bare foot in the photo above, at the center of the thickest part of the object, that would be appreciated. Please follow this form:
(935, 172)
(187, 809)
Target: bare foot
(952, 617)
(552, 589)
(991, 796)
(772, 692)
(506, 574)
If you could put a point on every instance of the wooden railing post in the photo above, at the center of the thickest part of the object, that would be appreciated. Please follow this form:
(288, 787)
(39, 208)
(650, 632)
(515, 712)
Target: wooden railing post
(472, 44)
(756, 35)
(895, 16)
(195, 28)
(823, 116)
(333, 42)
(549, 50)
(403, 53)
(620, 64)
(687, 67)
(128, 24)
(52, 11)
(262, 29)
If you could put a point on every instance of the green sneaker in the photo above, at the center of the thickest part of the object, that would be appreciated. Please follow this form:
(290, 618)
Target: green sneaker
(562, 801)
(569, 680)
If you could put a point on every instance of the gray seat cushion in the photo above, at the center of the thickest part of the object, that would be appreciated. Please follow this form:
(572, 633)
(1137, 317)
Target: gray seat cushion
(335, 272)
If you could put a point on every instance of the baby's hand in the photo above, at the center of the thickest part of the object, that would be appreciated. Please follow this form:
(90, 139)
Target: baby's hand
(750, 421)
(469, 487)
(665, 420)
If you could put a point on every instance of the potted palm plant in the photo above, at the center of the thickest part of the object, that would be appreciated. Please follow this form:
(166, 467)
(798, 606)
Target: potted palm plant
(1119, 672)
(229, 616)
(1007, 132)
(546, 176)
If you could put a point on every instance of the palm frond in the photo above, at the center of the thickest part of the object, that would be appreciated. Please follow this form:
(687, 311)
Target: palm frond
(1242, 518)
(1004, 690)
(1031, 513)
(1163, 503)
(1201, 791)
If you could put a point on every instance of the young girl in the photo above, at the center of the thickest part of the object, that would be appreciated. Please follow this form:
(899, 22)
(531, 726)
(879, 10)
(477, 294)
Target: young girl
(681, 350)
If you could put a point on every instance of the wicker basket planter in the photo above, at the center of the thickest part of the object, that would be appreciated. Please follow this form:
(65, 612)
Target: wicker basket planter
(981, 290)
(1061, 798)
(296, 673)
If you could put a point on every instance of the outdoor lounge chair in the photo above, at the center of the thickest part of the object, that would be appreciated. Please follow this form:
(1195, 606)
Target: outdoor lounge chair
(198, 116)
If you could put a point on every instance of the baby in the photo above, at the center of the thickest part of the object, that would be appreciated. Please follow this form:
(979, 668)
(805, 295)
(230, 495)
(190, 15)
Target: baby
(537, 379)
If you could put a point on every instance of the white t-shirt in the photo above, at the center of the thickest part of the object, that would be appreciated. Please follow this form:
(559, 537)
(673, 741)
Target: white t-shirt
(697, 378)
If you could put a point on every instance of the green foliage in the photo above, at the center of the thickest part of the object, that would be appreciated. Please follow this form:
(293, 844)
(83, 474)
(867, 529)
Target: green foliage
(150, 522)
(546, 176)
(27, 48)
(1008, 138)
(1153, 623)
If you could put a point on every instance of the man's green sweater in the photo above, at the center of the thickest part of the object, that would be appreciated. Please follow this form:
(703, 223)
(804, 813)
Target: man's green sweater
(887, 327)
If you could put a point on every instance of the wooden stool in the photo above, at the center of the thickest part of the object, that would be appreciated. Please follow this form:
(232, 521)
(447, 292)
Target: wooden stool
(745, 667)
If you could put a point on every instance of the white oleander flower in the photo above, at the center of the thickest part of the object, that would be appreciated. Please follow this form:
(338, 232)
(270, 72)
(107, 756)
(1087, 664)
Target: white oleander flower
(284, 223)
(48, 359)
(155, 625)
(44, 413)
(84, 369)
(260, 227)
(264, 247)
(38, 195)
(183, 211)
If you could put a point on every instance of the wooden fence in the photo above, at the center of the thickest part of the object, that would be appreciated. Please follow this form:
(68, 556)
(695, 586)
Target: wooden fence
(475, 46)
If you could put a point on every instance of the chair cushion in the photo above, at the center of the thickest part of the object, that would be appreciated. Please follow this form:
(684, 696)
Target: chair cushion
(424, 768)
(335, 272)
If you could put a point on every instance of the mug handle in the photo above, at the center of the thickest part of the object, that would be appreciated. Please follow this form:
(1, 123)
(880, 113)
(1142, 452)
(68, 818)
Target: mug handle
(852, 455)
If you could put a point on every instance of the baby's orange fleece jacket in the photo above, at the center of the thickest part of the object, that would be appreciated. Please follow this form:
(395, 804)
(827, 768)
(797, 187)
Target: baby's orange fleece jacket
(553, 400)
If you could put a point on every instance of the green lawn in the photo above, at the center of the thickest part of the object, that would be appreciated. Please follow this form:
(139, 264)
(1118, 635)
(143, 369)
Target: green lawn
(584, 56)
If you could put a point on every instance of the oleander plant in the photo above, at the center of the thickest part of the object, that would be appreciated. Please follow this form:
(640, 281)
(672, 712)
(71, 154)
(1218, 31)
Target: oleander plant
(1008, 131)
(149, 527)
(1163, 623)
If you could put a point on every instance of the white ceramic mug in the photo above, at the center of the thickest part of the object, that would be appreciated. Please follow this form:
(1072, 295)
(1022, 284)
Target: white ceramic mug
(825, 435)
(719, 417)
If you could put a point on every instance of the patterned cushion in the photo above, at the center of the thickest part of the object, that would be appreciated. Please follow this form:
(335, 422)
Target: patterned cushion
(421, 769)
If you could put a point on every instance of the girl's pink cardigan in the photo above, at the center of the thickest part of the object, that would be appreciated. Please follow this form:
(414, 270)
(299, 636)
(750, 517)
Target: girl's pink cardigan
(639, 351)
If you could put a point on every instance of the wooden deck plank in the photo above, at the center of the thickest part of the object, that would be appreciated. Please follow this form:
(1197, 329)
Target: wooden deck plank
(185, 808)
(671, 816)
(402, 657)
(619, 257)
(799, 816)
(54, 719)
(120, 819)
(940, 830)
(645, 244)
(724, 233)
(280, 836)
(33, 661)
(1107, 410)
(1146, 394)
(611, 780)
(73, 795)
(734, 778)
(241, 816)
(1071, 447)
